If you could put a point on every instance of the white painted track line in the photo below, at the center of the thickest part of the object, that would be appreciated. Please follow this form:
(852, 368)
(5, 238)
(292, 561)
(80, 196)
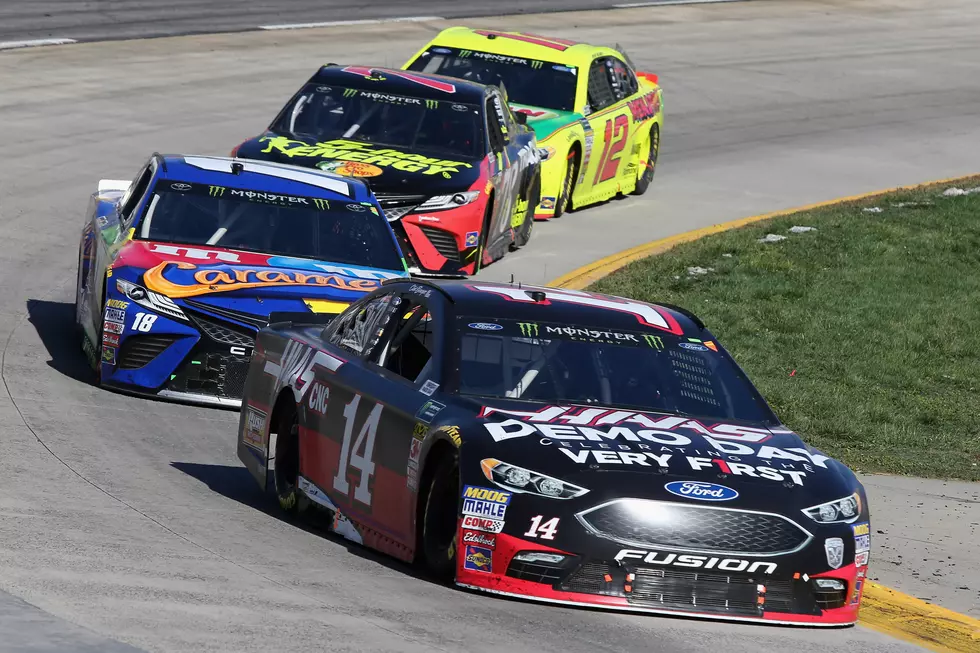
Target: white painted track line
(11, 45)
(370, 21)
(660, 3)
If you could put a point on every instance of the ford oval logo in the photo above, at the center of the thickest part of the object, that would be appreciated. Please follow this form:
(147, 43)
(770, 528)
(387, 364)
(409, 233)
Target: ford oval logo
(485, 326)
(701, 491)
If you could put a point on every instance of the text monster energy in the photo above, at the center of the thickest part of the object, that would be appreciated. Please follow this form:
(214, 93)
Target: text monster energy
(216, 191)
(529, 329)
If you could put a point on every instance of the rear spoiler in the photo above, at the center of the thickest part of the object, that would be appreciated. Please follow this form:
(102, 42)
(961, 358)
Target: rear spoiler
(282, 319)
(650, 77)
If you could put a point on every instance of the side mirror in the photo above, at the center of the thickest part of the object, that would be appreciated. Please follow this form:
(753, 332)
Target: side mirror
(520, 117)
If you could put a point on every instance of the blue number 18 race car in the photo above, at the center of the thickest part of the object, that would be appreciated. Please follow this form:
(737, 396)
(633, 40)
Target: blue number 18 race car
(561, 446)
(180, 268)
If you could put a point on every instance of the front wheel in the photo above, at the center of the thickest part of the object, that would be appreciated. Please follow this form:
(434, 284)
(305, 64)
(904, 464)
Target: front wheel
(644, 180)
(564, 201)
(523, 233)
(439, 520)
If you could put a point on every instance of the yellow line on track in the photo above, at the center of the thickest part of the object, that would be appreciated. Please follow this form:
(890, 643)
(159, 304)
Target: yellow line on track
(592, 272)
(883, 609)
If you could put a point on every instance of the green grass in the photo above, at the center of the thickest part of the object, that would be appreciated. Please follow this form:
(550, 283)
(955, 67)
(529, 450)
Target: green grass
(877, 313)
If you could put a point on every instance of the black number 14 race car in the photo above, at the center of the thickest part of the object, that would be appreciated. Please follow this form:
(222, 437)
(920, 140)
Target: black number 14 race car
(555, 445)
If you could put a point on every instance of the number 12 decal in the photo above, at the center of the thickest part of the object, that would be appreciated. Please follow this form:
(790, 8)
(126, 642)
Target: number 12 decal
(350, 457)
(617, 129)
(545, 531)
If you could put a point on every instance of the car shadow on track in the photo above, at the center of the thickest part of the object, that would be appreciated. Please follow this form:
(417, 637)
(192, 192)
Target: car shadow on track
(236, 483)
(55, 325)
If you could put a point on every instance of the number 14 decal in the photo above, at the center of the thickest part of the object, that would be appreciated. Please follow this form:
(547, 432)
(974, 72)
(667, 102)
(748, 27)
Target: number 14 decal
(545, 531)
(350, 457)
(617, 129)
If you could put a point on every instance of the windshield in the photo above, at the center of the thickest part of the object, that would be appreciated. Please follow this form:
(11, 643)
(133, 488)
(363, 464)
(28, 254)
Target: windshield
(186, 213)
(333, 112)
(527, 81)
(556, 363)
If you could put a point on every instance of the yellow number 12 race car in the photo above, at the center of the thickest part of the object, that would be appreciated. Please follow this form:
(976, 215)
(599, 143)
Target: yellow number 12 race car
(599, 119)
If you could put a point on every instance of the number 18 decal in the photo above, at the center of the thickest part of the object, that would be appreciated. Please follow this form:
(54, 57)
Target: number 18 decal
(545, 531)
(144, 321)
(614, 142)
(349, 456)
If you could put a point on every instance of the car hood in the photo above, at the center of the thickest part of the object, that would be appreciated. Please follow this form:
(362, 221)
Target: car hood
(216, 275)
(388, 170)
(609, 449)
(545, 122)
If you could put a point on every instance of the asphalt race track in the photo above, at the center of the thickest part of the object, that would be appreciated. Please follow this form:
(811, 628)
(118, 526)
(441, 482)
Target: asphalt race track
(133, 520)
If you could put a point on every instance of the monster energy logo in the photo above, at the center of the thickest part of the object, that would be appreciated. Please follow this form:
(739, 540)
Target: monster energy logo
(323, 205)
(431, 104)
(536, 64)
(216, 191)
(465, 53)
(654, 342)
(529, 329)
(350, 92)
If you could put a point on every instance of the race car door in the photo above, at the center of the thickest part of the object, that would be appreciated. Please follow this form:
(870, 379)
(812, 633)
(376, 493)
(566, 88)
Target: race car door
(609, 117)
(512, 156)
(361, 454)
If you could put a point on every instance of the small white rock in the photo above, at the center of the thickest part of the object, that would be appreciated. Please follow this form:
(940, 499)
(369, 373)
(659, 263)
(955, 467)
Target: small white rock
(772, 238)
(873, 209)
(728, 255)
(698, 271)
(801, 230)
(953, 192)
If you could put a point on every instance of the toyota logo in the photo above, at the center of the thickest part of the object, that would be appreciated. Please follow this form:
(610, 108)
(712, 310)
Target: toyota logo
(181, 187)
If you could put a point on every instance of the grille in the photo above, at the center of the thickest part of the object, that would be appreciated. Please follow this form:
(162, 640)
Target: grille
(443, 241)
(137, 351)
(223, 333)
(588, 579)
(655, 524)
(685, 590)
(257, 321)
(537, 572)
(827, 599)
(396, 206)
(218, 374)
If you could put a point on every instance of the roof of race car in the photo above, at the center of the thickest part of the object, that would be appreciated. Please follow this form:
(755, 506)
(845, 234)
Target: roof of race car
(262, 176)
(521, 44)
(419, 85)
(570, 307)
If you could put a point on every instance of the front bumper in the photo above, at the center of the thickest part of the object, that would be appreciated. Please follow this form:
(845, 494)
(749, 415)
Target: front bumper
(783, 598)
(443, 242)
(203, 361)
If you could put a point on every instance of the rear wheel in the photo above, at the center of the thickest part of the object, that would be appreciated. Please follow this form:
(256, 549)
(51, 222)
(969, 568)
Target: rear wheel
(644, 180)
(564, 201)
(439, 519)
(484, 237)
(286, 472)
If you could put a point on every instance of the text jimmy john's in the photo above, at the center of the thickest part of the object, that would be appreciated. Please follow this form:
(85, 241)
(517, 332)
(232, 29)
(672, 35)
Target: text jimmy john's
(621, 445)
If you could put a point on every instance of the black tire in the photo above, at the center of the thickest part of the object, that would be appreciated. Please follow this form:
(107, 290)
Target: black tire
(286, 473)
(643, 183)
(439, 520)
(484, 236)
(564, 201)
(523, 233)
